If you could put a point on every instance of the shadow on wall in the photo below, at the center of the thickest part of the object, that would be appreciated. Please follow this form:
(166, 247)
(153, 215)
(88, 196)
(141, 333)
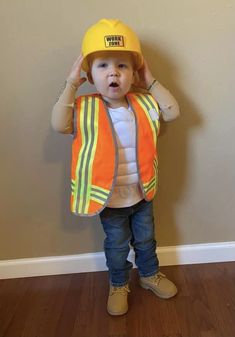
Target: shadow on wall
(173, 162)
(173, 148)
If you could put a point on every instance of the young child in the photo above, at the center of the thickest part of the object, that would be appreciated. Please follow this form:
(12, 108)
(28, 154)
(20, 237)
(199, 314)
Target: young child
(114, 152)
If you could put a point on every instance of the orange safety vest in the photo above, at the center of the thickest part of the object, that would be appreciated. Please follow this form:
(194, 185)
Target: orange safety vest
(95, 152)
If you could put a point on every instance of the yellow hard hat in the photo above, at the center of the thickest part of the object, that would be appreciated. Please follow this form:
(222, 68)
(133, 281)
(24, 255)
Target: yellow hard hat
(113, 35)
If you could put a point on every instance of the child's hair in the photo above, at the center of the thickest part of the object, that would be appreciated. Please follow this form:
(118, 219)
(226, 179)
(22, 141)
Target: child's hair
(111, 35)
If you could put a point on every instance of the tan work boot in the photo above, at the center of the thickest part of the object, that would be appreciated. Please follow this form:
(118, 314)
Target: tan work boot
(117, 301)
(160, 285)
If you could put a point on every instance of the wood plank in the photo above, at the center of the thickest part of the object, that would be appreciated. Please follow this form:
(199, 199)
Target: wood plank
(74, 305)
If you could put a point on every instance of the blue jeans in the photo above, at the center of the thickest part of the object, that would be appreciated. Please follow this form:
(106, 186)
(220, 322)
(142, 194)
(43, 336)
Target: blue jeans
(124, 226)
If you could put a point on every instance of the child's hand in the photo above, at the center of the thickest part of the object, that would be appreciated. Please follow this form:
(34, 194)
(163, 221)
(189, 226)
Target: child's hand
(75, 73)
(144, 77)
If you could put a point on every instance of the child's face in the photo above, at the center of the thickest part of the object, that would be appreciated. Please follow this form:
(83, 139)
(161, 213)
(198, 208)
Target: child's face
(113, 75)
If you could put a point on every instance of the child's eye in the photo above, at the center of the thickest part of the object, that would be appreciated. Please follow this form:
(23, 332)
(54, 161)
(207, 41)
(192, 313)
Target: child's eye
(122, 65)
(102, 65)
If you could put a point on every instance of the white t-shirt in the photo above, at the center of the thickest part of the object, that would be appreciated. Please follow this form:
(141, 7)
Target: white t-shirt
(127, 191)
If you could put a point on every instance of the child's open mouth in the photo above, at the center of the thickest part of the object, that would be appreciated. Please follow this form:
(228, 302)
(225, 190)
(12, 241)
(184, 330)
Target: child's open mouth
(114, 85)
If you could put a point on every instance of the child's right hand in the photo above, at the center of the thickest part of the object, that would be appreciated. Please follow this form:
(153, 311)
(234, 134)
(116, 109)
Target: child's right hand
(74, 77)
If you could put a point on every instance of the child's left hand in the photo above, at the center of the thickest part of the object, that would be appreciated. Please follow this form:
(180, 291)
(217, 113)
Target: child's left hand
(143, 77)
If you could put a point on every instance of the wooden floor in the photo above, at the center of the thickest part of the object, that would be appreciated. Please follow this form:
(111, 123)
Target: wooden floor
(75, 305)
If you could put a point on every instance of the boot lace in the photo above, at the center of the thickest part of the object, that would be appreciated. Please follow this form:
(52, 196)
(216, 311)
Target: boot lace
(121, 290)
(157, 278)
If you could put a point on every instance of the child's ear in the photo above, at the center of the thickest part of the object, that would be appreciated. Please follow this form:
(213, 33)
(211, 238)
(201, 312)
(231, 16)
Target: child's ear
(90, 78)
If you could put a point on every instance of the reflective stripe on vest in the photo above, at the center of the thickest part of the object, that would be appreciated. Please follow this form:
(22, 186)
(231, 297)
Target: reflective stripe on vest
(95, 153)
(88, 123)
(145, 155)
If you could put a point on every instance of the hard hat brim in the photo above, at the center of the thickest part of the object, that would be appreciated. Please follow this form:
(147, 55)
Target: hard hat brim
(137, 57)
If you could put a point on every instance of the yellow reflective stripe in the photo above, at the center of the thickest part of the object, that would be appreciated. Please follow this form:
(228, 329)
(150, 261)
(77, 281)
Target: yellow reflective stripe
(99, 194)
(76, 187)
(98, 189)
(146, 185)
(147, 104)
(87, 141)
(154, 106)
(92, 149)
(153, 103)
(155, 166)
(72, 184)
(150, 185)
(72, 187)
(96, 199)
(89, 136)
(153, 182)
(149, 182)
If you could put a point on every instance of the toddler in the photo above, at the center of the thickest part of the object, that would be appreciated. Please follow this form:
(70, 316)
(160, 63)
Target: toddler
(114, 152)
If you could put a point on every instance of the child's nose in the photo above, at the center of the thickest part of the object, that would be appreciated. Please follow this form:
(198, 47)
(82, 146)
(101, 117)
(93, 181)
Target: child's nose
(114, 71)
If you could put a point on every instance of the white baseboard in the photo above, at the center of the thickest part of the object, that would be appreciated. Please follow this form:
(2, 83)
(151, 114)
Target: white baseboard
(92, 262)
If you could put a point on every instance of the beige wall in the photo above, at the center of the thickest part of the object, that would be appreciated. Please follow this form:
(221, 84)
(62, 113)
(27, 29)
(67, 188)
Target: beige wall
(190, 47)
